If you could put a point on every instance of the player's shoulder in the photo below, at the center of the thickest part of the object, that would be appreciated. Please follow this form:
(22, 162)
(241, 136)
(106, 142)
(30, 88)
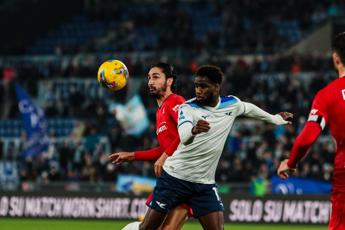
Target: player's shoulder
(328, 90)
(191, 103)
(339, 82)
(228, 101)
(173, 102)
(175, 99)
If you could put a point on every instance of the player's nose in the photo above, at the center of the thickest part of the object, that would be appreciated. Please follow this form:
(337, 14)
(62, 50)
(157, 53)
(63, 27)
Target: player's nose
(150, 83)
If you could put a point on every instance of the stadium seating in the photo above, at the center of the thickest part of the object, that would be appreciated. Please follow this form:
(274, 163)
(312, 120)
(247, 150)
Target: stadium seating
(60, 76)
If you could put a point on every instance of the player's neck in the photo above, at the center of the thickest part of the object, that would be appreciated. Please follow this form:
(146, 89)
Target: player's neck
(341, 71)
(163, 98)
(214, 102)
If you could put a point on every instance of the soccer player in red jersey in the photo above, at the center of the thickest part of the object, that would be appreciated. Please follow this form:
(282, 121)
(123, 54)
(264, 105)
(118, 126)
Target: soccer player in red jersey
(328, 108)
(161, 79)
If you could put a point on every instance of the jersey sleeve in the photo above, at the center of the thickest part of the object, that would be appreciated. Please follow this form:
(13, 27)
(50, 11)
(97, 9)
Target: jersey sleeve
(318, 112)
(174, 107)
(173, 146)
(173, 113)
(317, 120)
(185, 123)
(146, 155)
(185, 115)
(309, 134)
(240, 106)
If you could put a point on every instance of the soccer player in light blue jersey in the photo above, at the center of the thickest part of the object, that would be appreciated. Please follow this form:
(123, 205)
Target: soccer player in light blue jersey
(204, 123)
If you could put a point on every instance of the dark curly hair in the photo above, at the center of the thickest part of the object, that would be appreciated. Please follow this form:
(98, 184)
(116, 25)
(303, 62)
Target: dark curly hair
(213, 73)
(338, 46)
(169, 72)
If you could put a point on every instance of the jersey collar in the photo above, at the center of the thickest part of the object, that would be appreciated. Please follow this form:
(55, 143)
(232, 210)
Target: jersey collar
(165, 100)
(215, 107)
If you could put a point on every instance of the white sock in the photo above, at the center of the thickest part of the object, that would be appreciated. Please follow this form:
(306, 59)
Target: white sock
(132, 226)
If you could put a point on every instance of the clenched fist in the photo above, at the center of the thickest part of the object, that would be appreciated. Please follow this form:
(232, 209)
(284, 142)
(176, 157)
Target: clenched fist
(286, 116)
(201, 126)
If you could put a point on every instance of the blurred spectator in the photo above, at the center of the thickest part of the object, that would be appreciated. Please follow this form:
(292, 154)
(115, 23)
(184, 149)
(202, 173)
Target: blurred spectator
(187, 34)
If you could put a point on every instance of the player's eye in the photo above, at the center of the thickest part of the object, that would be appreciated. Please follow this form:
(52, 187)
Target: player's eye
(200, 86)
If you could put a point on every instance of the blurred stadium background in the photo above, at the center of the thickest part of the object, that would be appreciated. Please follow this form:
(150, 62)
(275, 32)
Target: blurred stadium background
(274, 54)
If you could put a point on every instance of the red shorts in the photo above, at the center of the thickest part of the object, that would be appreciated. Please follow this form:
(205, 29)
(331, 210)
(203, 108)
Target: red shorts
(185, 206)
(337, 221)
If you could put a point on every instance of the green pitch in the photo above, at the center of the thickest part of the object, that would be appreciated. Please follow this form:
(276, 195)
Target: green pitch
(41, 224)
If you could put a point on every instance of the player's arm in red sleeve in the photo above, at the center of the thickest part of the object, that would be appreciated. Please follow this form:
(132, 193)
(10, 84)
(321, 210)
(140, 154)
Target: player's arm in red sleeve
(173, 146)
(173, 112)
(146, 155)
(155, 153)
(120, 157)
(158, 166)
(311, 131)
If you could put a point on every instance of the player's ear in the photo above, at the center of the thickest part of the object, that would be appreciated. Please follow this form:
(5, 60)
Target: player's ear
(170, 81)
(336, 59)
(218, 87)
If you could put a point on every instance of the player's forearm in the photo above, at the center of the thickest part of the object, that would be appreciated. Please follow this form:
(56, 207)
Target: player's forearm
(147, 155)
(185, 133)
(253, 111)
(305, 139)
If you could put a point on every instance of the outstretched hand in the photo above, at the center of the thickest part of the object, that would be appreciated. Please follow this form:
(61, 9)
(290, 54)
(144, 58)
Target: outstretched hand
(201, 126)
(286, 116)
(284, 170)
(120, 157)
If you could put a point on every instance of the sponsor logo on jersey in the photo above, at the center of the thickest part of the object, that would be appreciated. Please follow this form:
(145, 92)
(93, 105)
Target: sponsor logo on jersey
(161, 129)
(205, 116)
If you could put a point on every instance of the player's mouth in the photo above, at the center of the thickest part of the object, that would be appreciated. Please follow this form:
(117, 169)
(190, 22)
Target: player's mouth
(152, 89)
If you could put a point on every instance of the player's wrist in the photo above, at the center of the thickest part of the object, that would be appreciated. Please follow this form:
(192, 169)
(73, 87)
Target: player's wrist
(291, 165)
(164, 156)
(278, 119)
(132, 156)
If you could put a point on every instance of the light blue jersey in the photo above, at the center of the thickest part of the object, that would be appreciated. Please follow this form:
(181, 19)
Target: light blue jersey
(197, 161)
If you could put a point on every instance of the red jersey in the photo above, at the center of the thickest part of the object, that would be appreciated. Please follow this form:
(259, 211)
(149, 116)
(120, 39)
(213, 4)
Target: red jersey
(328, 108)
(166, 129)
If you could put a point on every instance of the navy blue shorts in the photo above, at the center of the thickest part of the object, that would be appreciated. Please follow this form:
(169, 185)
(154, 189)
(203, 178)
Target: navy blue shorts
(171, 192)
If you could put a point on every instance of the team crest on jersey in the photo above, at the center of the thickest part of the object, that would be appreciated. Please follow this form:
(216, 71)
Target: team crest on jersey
(181, 116)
